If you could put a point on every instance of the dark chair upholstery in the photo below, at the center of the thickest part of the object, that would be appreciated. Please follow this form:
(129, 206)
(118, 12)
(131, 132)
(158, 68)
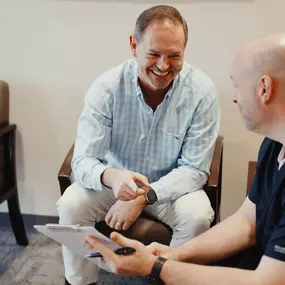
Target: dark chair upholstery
(8, 181)
(146, 229)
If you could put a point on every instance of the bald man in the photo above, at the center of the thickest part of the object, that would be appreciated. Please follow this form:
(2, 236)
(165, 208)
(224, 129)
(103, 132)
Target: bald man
(249, 246)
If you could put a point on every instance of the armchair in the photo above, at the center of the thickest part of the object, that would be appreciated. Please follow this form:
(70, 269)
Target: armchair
(8, 181)
(146, 229)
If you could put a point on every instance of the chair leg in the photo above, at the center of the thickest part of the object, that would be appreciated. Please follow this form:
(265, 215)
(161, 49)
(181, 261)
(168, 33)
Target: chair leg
(17, 219)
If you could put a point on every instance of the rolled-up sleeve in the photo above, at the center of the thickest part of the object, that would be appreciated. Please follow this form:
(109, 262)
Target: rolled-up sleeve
(93, 137)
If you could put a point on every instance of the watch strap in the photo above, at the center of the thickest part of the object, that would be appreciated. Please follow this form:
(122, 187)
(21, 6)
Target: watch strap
(157, 267)
(151, 196)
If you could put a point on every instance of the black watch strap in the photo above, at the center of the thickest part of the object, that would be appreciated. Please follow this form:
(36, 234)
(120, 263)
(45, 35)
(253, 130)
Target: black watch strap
(157, 267)
(151, 196)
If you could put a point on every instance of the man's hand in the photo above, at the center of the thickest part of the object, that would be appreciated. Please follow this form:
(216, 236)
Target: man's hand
(139, 263)
(163, 251)
(123, 183)
(123, 213)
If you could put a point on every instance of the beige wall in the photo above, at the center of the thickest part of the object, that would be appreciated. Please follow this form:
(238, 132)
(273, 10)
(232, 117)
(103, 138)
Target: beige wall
(51, 51)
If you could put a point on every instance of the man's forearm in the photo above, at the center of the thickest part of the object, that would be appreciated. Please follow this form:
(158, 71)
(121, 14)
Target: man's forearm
(225, 239)
(88, 171)
(178, 182)
(177, 273)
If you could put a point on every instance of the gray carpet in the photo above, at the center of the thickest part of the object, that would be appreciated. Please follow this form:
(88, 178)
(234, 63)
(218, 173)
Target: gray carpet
(40, 263)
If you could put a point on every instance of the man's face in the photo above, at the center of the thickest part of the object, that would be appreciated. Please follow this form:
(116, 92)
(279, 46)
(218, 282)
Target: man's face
(245, 96)
(159, 54)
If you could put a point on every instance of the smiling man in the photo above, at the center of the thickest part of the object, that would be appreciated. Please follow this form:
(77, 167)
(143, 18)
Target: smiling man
(153, 119)
(249, 246)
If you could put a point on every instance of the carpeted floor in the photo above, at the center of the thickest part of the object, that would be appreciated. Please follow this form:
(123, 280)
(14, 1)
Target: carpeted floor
(40, 263)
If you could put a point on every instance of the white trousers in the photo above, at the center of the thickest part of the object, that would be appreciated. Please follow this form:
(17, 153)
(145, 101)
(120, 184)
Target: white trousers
(188, 216)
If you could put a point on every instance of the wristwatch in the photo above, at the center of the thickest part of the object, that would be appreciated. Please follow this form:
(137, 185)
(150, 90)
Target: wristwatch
(153, 277)
(151, 196)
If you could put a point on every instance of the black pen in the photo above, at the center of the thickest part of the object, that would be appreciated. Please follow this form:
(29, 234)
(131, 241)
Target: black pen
(120, 251)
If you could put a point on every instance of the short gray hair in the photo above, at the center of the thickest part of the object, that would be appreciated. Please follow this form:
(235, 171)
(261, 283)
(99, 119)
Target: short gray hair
(159, 13)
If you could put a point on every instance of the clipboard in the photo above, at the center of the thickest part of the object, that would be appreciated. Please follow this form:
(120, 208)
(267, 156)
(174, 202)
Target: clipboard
(73, 236)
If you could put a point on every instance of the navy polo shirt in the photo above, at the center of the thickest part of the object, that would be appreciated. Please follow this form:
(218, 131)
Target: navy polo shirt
(268, 194)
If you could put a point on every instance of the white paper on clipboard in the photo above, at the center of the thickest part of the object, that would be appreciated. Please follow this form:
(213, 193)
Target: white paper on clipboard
(73, 236)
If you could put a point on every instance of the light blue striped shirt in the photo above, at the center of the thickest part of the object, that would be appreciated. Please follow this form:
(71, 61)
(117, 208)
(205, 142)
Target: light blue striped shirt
(172, 146)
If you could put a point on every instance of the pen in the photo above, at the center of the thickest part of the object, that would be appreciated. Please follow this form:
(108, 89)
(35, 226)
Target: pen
(120, 251)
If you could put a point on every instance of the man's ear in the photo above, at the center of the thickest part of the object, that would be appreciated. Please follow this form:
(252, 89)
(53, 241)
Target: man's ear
(133, 45)
(265, 89)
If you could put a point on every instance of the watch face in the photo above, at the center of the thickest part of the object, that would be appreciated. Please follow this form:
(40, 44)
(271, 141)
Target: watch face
(151, 196)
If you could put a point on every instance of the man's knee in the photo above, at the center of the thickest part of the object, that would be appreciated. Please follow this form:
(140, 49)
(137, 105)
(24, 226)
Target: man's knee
(201, 220)
(193, 216)
(194, 211)
(189, 224)
(199, 217)
(73, 204)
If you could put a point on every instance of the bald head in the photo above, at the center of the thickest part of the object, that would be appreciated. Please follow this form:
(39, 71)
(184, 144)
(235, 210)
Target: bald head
(258, 75)
(263, 56)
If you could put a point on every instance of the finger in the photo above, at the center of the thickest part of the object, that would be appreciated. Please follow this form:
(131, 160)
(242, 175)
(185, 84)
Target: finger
(141, 191)
(124, 226)
(121, 240)
(108, 218)
(113, 222)
(127, 225)
(131, 186)
(87, 245)
(105, 251)
(124, 193)
(119, 225)
(142, 179)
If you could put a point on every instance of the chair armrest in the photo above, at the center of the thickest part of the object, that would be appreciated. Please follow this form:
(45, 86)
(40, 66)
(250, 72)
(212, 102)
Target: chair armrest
(215, 168)
(65, 171)
(250, 174)
(7, 129)
(213, 187)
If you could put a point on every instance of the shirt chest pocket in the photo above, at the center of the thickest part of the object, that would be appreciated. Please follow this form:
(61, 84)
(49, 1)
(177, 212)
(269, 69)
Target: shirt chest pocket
(172, 144)
(175, 123)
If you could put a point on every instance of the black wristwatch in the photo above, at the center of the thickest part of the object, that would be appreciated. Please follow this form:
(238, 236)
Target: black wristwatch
(153, 277)
(151, 196)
